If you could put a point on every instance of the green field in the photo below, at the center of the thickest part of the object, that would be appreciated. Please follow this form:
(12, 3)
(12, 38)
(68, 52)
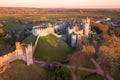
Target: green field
(51, 48)
(20, 71)
(51, 74)
(29, 39)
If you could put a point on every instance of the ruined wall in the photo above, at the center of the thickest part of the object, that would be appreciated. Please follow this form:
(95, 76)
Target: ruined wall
(21, 53)
(4, 60)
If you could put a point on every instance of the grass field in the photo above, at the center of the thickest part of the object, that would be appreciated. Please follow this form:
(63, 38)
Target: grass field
(88, 76)
(51, 48)
(20, 71)
(51, 74)
(29, 39)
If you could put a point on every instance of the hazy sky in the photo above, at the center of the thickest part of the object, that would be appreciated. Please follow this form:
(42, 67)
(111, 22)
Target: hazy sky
(61, 3)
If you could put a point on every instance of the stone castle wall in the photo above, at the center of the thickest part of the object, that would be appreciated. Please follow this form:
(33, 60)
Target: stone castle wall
(35, 45)
(42, 31)
(86, 27)
(75, 35)
(22, 52)
(6, 59)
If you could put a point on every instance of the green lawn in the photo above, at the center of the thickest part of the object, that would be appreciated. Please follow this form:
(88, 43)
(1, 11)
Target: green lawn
(29, 39)
(51, 74)
(116, 75)
(51, 48)
(20, 71)
(88, 76)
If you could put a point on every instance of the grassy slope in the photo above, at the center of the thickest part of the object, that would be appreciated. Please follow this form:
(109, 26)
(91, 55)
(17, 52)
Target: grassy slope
(51, 48)
(20, 71)
(29, 39)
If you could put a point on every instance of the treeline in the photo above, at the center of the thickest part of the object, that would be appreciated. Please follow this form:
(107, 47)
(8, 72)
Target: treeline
(37, 11)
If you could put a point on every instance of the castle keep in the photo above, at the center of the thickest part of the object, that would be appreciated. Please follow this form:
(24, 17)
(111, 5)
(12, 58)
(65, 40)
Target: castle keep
(74, 30)
(42, 30)
(75, 33)
(22, 52)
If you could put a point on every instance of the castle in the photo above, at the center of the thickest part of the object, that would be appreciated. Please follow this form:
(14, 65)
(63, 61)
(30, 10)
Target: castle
(22, 52)
(75, 33)
(25, 51)
(42, 30)
(74, 30)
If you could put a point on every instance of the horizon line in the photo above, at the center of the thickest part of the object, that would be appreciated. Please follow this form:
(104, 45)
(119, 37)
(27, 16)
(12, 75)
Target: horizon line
(60, 7)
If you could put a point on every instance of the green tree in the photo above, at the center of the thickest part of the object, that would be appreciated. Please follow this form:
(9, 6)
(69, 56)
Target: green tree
(1, 30)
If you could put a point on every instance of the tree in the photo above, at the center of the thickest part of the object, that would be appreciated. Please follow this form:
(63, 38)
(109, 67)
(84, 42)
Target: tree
(107, 58)
(88, 50)
(1, 30)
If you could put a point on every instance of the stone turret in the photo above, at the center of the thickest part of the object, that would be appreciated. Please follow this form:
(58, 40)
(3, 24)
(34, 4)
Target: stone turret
(24, 52)
(19, 50)
(42, 31)
(86, 26)
(73, 40)
(29, 55)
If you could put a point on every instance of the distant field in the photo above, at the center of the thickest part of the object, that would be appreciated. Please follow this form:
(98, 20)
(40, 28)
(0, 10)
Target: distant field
(51, 48)
(20, 71)
(29, 39)
(11, 23)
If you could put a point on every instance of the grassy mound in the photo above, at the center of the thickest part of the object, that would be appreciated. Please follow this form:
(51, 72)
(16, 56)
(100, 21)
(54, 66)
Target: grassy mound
(20, 71)
(51, 48)
(29, 39)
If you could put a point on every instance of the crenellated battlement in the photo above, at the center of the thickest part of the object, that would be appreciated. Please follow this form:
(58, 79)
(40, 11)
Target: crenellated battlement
(42, 31)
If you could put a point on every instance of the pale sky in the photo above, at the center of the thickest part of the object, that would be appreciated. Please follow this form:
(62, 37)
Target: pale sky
(61, 3)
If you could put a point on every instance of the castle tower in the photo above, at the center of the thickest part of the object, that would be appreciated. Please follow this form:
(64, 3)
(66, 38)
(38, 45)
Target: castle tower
(73, 40)
(29, 55)
(86, 27)
(19, 50)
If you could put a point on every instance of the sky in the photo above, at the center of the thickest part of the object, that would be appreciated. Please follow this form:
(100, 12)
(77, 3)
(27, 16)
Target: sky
(61, 3)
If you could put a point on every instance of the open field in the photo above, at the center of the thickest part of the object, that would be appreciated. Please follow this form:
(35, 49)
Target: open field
(51, 48)
(51, 74)
(20, 71)
(22, 18)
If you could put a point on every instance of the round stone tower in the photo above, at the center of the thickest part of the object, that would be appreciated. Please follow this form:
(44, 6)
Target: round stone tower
(86, 27)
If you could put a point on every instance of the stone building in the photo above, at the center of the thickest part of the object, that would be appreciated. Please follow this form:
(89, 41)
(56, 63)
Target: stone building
(79, 30)
(22, 52)
(42, 30)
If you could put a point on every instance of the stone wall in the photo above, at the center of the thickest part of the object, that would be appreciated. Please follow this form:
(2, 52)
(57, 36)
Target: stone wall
(6, 59)
(22, 52)
(42, 31)
(35, 45)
